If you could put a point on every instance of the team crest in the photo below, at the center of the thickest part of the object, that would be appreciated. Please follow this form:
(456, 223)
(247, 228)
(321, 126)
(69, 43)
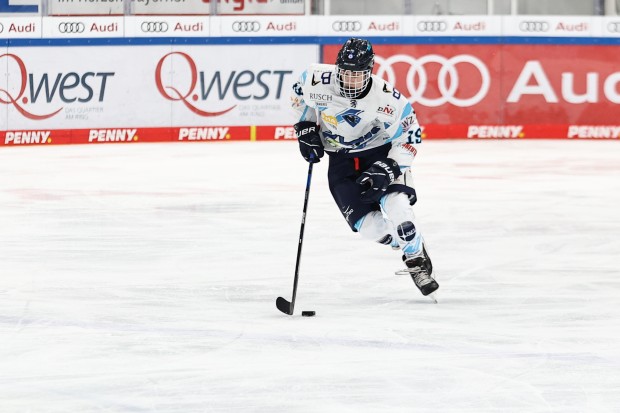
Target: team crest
(350, 116)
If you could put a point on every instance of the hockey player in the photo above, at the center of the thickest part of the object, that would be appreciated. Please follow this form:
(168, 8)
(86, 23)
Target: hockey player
(370, 133)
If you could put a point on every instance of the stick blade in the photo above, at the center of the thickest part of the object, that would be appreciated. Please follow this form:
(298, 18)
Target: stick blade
(284, 306)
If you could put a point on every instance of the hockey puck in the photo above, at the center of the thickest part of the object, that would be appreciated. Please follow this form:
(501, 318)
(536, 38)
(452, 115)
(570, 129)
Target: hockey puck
(308, 313)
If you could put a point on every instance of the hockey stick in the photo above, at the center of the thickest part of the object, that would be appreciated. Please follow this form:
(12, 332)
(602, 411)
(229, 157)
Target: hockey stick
(282, 304)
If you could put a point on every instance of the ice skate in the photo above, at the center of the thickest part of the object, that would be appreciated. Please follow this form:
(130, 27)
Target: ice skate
(420, 268)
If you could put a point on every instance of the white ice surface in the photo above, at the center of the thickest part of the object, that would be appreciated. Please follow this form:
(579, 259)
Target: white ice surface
(143, 278)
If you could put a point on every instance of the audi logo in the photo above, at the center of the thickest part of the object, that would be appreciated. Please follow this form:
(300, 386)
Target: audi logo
(613, 27)
(432, 26)
(154, 27)
(534, 26)
(347, 26)
(66, 27)
(246, 26)
(1, 28)
(447, 79)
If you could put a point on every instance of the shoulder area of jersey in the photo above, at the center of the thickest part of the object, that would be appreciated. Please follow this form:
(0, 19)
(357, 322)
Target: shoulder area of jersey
(321, 67)
(385, 86)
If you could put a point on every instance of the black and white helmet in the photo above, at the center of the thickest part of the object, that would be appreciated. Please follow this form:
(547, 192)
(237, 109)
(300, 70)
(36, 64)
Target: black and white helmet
(354, 67)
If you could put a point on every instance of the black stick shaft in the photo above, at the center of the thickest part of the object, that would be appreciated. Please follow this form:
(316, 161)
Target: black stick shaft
(301, 236)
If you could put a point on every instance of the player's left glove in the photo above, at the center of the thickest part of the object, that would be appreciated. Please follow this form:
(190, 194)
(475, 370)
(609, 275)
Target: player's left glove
(377, 178)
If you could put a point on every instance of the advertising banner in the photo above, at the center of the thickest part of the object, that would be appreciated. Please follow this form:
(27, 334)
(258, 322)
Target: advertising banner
(81, 27)
(505, 91)
(453, 26)
(557, 26)
(167, 26)
(20, 27)
(203, 91)
(243, 26)
(359, 26)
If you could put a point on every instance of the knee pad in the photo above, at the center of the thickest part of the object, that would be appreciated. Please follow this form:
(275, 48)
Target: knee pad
(406, 231)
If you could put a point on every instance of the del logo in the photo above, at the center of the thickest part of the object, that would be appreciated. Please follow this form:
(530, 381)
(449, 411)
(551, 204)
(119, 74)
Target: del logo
(201, 86)
(25, 89)
(388, 110)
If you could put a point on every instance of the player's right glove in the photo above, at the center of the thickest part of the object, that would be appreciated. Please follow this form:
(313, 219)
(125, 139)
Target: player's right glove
(377, 178)
(310, 144)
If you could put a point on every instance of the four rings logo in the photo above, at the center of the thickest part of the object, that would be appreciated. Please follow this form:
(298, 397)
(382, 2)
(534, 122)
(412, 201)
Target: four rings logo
(347, 26)
(432, 26)
(154, 27)
(66, 27)
(447, 78)
(1, 28)
(534, 26)
(613, 27)
(246, 26)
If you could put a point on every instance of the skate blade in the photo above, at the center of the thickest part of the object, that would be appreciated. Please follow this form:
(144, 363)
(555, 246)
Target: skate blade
(432, 295)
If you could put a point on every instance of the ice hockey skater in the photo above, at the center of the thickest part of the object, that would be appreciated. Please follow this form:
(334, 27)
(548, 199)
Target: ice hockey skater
(370, 133)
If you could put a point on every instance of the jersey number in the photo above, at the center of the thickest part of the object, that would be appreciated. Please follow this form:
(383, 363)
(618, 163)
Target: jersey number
(414, 137)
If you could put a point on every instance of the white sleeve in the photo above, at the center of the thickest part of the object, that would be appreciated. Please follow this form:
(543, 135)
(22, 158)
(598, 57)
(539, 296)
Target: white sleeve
(302, 110)
(405, 136)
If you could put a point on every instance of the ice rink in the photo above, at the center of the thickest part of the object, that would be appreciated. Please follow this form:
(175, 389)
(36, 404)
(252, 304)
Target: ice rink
(143, 278)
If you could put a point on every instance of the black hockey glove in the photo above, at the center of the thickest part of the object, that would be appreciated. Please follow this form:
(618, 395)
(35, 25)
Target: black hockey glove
(376, 179)
(310, 144)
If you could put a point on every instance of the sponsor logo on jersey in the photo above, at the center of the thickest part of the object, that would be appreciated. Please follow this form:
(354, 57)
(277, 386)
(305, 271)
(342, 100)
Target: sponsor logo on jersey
(409, 147)
(329, 119)
(27, 137)
(407, 122)
(339, 141)
(353, 103)
(387, 109)
(323, 97)
(594, 131)
(495, 131)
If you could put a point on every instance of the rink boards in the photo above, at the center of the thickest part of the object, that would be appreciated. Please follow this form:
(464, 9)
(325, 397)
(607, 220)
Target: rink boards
(125, 79)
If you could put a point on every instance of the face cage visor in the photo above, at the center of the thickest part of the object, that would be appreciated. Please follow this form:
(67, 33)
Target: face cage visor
(352, 83)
